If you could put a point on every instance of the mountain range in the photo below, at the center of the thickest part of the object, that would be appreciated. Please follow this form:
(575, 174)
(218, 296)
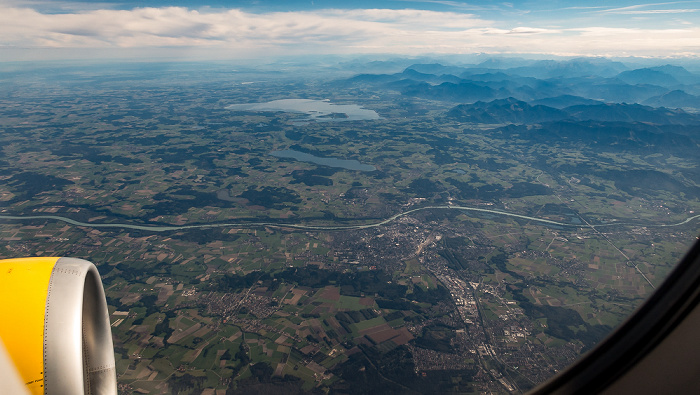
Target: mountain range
(514, 111)
(556, 84)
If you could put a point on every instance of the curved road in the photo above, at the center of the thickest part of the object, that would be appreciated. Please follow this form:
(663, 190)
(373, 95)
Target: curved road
(314, 227)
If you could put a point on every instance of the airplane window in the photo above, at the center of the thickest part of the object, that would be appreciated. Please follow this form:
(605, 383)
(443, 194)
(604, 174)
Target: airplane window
(334, 197)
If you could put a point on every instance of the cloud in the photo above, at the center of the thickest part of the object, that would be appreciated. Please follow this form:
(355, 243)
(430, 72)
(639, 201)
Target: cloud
(181, 26)
(666, 11)
(233, 32)
(530, 30)
(639, 8)
(459, 5)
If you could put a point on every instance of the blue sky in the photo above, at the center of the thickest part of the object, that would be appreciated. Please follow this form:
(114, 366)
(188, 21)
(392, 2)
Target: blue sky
(254, 29)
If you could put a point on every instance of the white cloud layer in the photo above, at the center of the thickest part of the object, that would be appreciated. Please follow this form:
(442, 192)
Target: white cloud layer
(235, 32)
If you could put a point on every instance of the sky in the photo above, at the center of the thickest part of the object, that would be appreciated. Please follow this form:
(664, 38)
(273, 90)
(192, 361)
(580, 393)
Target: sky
(181, 29)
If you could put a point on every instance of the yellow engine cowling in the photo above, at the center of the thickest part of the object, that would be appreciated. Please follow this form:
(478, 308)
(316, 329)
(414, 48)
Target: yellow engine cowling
(55, 328)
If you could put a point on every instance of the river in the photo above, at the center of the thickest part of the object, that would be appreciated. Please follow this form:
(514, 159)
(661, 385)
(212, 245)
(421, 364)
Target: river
(155, 228)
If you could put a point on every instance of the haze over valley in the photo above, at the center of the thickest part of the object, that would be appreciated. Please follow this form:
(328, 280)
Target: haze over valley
(465, 227)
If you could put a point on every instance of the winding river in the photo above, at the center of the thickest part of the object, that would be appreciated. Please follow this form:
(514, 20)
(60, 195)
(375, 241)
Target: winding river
(155, 228)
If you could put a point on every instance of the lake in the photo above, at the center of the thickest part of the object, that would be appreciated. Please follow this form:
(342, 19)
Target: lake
(317, 110)
(349, 164)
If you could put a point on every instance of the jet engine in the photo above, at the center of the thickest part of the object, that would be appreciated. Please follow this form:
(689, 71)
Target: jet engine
(55, 328)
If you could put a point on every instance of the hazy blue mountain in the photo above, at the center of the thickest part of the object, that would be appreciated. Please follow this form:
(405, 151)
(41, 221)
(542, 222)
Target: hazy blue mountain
(496, 85)
(366, 65)
(493, 76)
(674, 99)
(534, 87)
(511, 110)
(507, 110)
(504, 63)
(427, 77)
(648, 76)
(408, 74)
(580, 67)
(437, 69)
(616, 91)
(402, 84)
(679, 73)
(462, 92)
(553, 83)
(564, 101)
(540, 89)
(615, 112)
(372, 78)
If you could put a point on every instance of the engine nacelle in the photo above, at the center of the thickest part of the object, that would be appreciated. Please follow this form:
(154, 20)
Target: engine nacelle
(55, 327)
